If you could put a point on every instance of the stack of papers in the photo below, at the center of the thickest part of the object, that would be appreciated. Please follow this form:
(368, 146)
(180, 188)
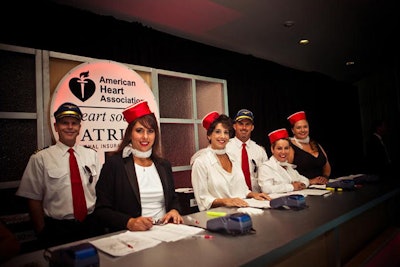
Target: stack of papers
(255, 203)
(348, 177)
(133, 241)
(168, 232)
(315, 190)
(122, 244)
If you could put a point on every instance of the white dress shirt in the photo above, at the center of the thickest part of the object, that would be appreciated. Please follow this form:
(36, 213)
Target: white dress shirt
(47, 178)
(257, 156)
(273, 178)
(210, 181)
(151, 191)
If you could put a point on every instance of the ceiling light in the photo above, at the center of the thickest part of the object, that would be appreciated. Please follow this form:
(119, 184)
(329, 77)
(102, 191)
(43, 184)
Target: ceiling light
(288, 23)
(350, 63)
(304, 41)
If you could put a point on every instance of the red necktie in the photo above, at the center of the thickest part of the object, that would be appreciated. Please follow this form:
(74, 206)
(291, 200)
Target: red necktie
(78, 196)
(245, 166)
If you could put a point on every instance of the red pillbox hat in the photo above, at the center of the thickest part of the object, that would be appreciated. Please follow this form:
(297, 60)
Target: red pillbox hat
(209, 118)
(135, 111)
(278, 134)
(295, 117)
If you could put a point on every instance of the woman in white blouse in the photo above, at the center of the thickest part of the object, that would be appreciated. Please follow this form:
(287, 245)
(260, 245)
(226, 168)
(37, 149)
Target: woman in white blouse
(276, 175)
(216, 180)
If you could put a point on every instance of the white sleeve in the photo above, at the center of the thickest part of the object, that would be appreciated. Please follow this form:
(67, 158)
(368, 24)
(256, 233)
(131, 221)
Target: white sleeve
(200, 178)
(31, 185)
(271, 182)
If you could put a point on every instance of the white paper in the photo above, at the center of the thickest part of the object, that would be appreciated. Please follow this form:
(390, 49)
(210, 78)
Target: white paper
(348, 177)
(168, 232)
(133, 241)
(251, 211)
(318, 190)
(314, 192)
(317, 186)
(255, 203)
(117, 245)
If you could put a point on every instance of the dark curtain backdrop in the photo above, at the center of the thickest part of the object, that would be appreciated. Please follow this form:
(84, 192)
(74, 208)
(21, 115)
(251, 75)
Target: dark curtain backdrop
(270, 90)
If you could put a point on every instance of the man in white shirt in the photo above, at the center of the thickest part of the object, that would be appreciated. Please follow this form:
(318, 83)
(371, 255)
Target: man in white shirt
(46, 184)
(244, 125)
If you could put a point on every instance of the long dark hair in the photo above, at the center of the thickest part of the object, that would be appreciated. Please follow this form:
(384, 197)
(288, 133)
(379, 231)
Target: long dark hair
(149, 121)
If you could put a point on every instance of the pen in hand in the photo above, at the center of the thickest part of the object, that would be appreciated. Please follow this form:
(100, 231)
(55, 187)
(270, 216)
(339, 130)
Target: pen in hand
(159, 222)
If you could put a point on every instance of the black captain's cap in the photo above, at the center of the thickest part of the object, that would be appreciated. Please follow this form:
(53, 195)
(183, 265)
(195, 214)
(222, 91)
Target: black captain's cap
(244, 114)
(68, 110)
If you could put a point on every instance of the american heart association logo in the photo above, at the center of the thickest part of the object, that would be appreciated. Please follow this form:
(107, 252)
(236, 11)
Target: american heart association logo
(82, 87)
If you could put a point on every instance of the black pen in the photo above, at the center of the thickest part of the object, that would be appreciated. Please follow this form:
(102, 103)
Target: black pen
(255, 165)
(90, 174)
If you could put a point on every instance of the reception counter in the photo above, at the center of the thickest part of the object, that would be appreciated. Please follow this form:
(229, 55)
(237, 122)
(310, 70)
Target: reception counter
(329, 232)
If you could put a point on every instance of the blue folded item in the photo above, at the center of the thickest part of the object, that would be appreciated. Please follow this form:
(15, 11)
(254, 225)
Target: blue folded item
(344, 184)
(82, 255)
(295, 201)
(234, 224)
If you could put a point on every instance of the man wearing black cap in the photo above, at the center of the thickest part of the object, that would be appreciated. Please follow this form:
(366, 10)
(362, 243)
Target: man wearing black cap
(256, 154)
(46, 183)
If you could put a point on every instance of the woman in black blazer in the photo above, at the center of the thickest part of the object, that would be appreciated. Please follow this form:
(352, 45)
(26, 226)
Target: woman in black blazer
(136, 186)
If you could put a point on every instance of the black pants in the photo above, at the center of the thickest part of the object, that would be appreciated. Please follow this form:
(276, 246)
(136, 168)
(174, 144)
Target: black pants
(58, 232)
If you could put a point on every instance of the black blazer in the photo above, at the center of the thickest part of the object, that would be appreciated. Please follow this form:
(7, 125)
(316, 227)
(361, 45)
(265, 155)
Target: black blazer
(117, 190)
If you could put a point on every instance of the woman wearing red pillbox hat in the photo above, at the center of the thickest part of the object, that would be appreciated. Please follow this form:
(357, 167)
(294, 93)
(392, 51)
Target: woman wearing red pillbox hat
(276, 174)
(216, 180)
(136, 185)
(307, 154)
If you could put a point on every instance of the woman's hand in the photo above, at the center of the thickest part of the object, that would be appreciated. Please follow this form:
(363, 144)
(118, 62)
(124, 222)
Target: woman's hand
(172, 216)
(259, 196)
(140, 224)
(319, 180)
(230, 202)
(298, 186)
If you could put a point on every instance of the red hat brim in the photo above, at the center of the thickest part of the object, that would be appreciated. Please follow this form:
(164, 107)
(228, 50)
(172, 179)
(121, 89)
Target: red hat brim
(209, 119)
(135, 111)
(295, 117)
(278, 134)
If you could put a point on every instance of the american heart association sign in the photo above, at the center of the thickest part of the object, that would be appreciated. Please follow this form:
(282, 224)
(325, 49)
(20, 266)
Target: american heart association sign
(102, 89)
(82, 87)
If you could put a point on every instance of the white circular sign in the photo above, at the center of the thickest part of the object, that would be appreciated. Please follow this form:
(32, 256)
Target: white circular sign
(102, 89)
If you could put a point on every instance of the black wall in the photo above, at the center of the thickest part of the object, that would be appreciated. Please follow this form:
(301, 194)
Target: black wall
(270, 90)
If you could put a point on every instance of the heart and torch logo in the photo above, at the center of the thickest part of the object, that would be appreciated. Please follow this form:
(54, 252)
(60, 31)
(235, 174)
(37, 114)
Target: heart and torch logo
(82, 87)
